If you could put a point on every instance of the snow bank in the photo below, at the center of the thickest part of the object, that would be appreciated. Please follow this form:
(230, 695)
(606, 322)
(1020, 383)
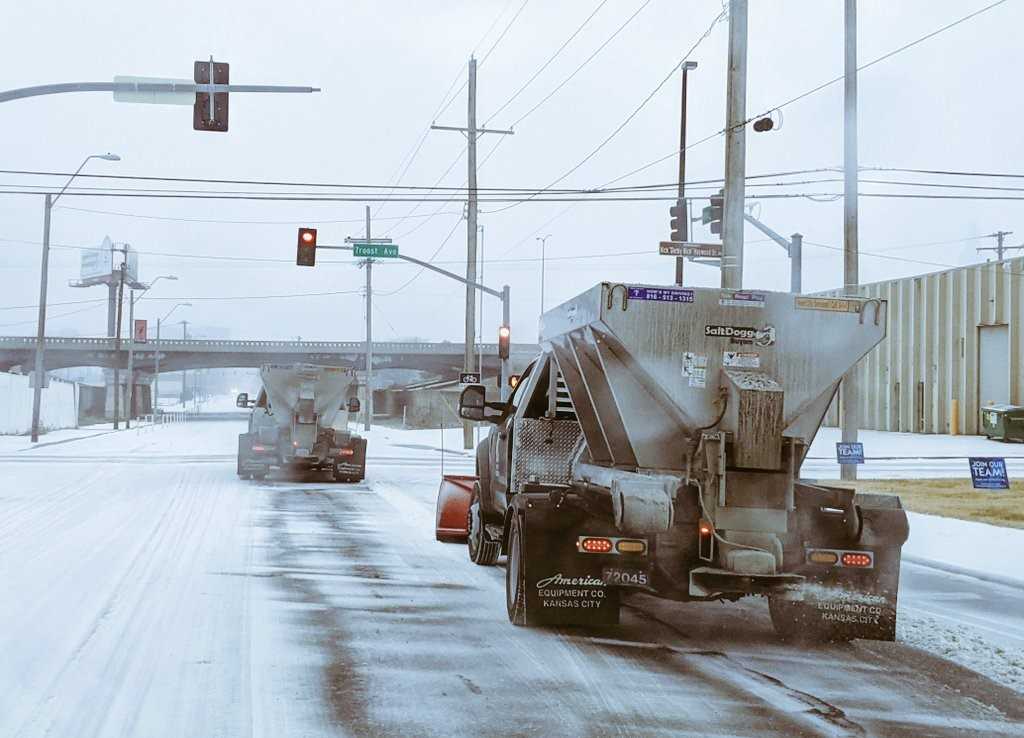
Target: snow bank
(965, 547)
(963, 645)
(59, 408)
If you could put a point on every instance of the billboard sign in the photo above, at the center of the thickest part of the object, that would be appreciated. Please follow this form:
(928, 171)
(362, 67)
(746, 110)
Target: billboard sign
(101, 263)
(140, 331)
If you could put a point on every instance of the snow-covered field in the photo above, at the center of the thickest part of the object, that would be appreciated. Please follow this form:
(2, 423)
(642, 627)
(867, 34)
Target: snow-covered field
(156, 594)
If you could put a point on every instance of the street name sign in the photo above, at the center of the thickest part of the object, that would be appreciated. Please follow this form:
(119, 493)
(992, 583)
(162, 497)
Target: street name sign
(687, 248)
(375, 250)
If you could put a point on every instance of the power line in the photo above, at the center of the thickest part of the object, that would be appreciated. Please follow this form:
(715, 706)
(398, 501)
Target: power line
(816, 89)
(502, 35)
(721, 16)
(545, 65)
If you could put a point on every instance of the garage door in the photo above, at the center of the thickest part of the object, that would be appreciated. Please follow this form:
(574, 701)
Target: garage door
(993, 364)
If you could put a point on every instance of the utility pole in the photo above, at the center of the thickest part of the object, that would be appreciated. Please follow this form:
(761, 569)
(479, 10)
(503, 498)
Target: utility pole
(735, 148)
(999, 248)
(681, 199)
(849, 405)
(472, 133)
(117, 343)
(369, 332)
(40, 373)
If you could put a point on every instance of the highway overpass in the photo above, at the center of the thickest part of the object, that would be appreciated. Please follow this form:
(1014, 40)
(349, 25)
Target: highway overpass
(442, 358)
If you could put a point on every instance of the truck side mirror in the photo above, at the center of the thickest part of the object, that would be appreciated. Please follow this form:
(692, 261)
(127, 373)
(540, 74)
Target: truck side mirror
(353, 405)
(473, 405)
(242, 400)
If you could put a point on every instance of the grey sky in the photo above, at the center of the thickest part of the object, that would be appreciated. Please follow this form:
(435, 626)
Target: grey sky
(384, 67)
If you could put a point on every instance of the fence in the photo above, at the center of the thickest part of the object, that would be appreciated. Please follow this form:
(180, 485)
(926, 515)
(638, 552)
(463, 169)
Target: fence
(59, 407)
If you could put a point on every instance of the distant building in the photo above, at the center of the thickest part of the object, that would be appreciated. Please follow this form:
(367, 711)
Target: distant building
(953, 338)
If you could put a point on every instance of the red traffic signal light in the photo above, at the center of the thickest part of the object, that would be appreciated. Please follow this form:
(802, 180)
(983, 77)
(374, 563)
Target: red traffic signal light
(305, 254)
(504, 341)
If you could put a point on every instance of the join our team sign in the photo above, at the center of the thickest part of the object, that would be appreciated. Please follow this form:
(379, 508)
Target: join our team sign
(989, 472)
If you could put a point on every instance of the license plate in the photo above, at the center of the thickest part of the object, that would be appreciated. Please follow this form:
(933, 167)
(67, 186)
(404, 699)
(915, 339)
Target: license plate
(627, 576)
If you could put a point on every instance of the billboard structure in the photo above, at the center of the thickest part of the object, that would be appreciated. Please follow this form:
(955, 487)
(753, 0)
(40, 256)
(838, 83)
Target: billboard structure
(102, 266)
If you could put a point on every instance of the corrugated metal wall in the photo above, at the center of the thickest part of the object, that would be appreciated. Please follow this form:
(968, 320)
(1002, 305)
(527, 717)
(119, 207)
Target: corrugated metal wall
(930, 355)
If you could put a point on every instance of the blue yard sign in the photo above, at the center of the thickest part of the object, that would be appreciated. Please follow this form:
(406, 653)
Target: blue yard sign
(989, 472)
(849, 453)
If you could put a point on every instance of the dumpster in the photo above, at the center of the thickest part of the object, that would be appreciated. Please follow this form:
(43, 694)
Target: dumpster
(1003, 422)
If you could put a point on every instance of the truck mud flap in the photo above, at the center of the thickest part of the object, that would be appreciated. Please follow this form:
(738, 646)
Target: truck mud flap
(563, 587)
(844, 603)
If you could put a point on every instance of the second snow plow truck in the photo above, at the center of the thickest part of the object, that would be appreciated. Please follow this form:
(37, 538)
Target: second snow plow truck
(300, 421)
(655, 445)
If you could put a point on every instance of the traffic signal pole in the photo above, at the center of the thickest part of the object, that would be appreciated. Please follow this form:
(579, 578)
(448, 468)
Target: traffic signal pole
(369, 332)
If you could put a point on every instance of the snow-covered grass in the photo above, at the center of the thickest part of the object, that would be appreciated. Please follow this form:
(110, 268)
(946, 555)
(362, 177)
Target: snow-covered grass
(986, 551)
(963, 645)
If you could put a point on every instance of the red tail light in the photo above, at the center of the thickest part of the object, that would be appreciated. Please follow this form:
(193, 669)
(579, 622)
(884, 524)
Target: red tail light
(595, 545)
(346, 452)
(856, 559)
(259, 448)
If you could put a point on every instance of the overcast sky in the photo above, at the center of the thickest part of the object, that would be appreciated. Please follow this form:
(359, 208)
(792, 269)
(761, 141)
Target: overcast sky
(385, 68)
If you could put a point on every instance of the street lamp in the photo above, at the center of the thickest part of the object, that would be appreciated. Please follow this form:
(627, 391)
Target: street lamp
(156, 370)
(543, 244)
(40, 374)
(132, 299)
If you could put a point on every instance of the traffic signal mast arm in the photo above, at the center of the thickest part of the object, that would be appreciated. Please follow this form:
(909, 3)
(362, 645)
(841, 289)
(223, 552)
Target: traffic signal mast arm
(169, 88)
(783, 242)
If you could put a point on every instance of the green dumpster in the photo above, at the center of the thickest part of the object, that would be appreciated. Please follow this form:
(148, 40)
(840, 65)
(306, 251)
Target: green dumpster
(1003, 422)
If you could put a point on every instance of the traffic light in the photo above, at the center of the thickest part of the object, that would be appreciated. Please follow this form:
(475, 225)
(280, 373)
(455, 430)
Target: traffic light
(712, 215)
(201, 118)
(763, 124)
(678, 222)
(305, 255)
(504, 339)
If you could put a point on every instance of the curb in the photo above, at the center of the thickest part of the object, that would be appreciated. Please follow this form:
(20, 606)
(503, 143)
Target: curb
(962, 571)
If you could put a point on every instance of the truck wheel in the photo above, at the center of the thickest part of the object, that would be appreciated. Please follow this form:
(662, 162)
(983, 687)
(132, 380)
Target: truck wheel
(482, 550)
(791, 622)
(515, 575)
(243, 448)
(259, 475)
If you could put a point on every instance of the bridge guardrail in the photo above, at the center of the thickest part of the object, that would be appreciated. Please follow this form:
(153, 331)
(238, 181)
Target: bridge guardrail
(420, 347)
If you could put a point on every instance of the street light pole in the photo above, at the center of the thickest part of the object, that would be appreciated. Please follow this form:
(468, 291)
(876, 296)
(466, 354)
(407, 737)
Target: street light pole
(156, 370)
(543, 254)
(681, 198)
(131, 343)
(39, 368)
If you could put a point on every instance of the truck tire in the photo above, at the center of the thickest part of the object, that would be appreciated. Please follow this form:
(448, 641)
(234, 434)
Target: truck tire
(792, 624)
(515, 575)
(262, 474)
(482, 550)
(243, 449)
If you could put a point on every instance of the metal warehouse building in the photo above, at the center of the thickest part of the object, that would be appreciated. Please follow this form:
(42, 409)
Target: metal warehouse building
(953, 345)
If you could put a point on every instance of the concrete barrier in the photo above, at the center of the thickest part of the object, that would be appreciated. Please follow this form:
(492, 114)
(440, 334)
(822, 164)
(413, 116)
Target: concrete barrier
(59, 408)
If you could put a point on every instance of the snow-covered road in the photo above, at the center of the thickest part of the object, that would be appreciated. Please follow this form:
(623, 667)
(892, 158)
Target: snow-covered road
(149, 592)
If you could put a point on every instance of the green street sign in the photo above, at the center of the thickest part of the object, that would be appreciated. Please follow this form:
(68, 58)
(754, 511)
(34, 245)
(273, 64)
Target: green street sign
(375, 250)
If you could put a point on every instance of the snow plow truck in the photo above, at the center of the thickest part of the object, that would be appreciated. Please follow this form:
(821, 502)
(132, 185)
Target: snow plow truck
(299, 421)
(655, 446)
